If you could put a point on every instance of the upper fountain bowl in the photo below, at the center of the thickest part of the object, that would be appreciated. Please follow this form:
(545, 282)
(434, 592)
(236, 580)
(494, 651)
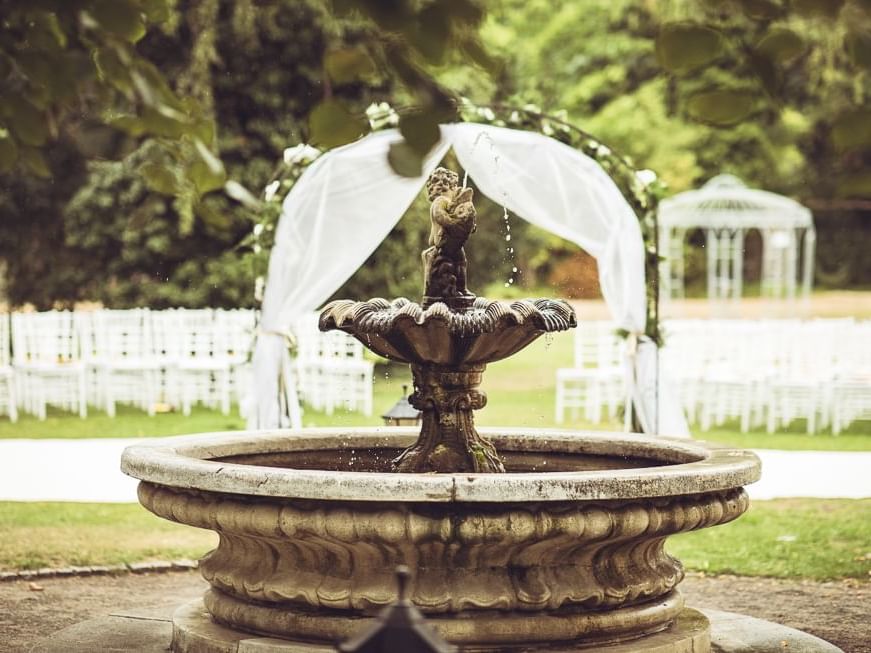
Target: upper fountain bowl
(489, 331)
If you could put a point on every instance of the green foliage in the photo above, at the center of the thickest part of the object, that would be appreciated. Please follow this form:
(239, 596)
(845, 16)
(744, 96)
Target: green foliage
(684, 47)
(773, 96)
(161, 226)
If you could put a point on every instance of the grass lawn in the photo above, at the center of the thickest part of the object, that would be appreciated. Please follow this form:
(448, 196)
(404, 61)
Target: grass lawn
(521, 392)
(808, 538)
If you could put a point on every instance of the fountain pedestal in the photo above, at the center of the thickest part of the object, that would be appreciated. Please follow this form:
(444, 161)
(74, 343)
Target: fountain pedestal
(448, 440)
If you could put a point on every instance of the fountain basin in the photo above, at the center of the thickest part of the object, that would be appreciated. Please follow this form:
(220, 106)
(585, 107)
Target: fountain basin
(566, 547)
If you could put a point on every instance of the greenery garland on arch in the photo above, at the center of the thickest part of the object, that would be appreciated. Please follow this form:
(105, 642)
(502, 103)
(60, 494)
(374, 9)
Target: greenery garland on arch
(641, 188)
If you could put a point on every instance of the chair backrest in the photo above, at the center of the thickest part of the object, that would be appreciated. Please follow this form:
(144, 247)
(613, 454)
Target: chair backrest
(165, 334)
(337, 345)
(199, 336)
(598, 345)
(239, 328)
(309, 340)
(48, 338)
(123, 335)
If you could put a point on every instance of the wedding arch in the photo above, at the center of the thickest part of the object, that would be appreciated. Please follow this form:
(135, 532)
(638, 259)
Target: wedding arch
(347, 200)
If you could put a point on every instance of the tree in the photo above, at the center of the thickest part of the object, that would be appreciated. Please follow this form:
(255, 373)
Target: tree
(317, 76)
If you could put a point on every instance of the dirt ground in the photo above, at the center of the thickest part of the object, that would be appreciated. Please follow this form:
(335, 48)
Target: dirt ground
(839, 612)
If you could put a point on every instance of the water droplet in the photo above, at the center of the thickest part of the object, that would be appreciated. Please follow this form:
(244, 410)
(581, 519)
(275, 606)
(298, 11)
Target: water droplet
(514, 269)
(511, 280)
(506, 284)
(507, 236)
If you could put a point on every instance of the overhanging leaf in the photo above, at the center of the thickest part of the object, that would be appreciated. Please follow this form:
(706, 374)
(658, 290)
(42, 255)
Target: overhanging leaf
(159, 178)
(852, 129)
(120, 17)
(44, 31)
(858, 46)
(8, 153)
(781, 44)
(404, 160)
(112, 70)
(25, 120)
(156, 11)
(721, 107)
(204, 179)
(683, 47)
(33, 160)
(767, 72)
(159, 124)
(331, 124)
(432, 33)
(420, 130)
(213, 216)
(37, 67)
(348, 64)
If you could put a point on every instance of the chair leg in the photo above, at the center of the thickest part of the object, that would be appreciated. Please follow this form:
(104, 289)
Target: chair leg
(225, 392)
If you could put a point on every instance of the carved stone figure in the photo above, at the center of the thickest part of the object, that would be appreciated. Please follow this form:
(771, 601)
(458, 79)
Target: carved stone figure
(453, 220)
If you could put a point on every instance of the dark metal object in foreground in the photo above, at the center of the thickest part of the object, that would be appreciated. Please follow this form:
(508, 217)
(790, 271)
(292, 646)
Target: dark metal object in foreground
(400, 627)
(448, 339)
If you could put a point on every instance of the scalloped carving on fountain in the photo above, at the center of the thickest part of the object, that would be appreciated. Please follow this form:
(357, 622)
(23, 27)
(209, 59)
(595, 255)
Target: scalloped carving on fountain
(404, 331)
(515, 558)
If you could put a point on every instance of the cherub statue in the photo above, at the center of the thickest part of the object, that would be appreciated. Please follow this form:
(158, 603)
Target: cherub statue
(453, 220)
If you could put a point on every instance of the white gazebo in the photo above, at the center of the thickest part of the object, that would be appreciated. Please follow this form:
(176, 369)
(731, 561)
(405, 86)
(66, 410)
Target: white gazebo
(348, 200)
(726, 210)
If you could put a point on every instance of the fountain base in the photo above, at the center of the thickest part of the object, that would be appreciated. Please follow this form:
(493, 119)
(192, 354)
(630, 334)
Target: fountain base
(194, 631)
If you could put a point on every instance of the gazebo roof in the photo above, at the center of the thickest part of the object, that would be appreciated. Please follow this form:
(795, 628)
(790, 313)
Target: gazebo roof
(726, 202)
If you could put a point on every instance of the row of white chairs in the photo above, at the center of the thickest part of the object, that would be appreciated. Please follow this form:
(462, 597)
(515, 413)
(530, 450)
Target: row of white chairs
(331, 370)
(768, 373)
(177, 357)
(764, 373)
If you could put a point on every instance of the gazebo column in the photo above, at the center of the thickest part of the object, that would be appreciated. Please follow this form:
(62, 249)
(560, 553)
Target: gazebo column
(737, 244)
(712, 240)
(791, 265)
(807, 273)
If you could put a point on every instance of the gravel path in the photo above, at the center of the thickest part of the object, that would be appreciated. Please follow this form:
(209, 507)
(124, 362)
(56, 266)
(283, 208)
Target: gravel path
(839, 612)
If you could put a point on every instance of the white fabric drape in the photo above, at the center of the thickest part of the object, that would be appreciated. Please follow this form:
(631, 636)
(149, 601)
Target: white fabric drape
(348, 200)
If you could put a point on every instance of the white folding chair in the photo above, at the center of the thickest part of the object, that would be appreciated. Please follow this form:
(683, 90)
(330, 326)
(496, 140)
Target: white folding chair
(239, 327)
(46, 354)
(124, 357)
(203, 368)
(596, 382)
(331, 370)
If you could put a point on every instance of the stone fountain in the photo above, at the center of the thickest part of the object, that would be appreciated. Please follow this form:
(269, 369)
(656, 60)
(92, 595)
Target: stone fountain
(516, 539)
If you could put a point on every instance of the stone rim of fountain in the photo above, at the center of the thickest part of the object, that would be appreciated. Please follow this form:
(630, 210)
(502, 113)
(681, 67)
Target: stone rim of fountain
(691, 467)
